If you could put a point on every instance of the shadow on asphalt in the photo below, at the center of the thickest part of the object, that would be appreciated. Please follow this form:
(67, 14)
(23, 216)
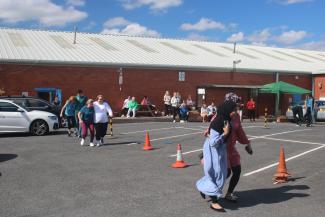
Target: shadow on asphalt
(6, 157)
(255, 197)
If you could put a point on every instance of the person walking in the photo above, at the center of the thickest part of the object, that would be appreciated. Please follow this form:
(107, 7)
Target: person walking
(102, 112)
(175, 101)
(215, 156)
(81, 100)
(86, 120)
(234, 165)
(167, 104)
(251, 109)
(309, 107)
(69, 111)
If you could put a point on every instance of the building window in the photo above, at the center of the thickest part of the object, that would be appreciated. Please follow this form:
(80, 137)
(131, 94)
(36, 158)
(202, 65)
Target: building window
(181, 76)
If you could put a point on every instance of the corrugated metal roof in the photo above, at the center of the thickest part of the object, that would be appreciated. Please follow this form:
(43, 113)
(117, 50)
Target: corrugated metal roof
(53, 47)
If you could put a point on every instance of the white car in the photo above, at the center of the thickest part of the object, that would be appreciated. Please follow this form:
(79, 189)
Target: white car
(16, 118)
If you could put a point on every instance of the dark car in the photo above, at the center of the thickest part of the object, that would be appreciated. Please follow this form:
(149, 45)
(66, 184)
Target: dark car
(33, 103)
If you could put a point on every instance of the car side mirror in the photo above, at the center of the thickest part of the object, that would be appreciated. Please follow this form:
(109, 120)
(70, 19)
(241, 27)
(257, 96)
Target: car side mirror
(20, 110)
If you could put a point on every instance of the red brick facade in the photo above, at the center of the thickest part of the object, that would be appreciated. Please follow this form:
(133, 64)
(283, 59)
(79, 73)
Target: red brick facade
(319, 87)
(138, 82)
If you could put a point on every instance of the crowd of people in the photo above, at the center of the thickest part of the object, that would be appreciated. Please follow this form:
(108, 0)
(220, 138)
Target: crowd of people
(85, 115)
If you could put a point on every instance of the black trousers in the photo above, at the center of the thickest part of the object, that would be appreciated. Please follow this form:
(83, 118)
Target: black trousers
(101, 129)
(234, 178)
(297, 110)
(71, 122)
(308, 116)
(251, 114)
(175, 112)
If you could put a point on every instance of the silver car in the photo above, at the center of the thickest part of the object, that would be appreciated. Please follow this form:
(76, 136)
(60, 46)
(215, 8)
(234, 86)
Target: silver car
(289, 113)
(321, 109)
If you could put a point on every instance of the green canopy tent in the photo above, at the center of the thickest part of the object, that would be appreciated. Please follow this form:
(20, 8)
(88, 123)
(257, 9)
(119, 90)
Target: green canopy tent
(281, 87)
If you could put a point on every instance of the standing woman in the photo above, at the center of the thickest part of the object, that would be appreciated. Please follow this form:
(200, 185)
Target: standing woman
(69, 108)
(251, 109)
(215, 156)
(102, 111)
(175, 100)
(86, 120)
(167, 99)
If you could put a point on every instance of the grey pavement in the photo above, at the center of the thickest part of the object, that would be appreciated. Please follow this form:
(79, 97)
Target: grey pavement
(54, 176)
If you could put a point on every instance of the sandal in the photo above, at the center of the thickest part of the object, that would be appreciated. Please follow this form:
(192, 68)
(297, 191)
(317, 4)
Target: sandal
(231, 197)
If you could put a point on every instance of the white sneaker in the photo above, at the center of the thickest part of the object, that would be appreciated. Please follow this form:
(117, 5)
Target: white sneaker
(98, 143)
(182, 121)
(174, 121)
(91, 144)
(82, 142)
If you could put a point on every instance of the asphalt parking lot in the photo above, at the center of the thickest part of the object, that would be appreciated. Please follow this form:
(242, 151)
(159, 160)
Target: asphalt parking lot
(54, 176)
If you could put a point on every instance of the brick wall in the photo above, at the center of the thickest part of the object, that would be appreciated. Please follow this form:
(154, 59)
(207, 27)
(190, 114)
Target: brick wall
(136, 82)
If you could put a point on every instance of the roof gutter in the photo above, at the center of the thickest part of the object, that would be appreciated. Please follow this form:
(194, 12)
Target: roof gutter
(148, 66)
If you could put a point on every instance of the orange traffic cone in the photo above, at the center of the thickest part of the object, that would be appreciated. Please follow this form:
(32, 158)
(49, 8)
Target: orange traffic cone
(147, 146)
(281, 175)
(179, 158)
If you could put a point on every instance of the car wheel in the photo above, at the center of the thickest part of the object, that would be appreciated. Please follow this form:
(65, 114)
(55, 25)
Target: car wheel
(39, 128)
(63, 122)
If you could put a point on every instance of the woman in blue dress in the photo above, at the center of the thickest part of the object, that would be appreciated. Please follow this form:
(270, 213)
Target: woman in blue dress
(215, 156)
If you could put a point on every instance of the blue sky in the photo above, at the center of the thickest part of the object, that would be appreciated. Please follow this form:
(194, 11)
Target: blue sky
(281, 23)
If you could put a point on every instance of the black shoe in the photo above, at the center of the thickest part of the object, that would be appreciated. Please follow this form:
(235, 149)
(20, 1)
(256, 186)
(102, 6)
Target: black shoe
(202, 195)
(218, 210)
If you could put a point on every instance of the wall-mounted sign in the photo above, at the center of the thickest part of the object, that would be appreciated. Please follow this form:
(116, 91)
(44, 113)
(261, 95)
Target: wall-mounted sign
(181, 76)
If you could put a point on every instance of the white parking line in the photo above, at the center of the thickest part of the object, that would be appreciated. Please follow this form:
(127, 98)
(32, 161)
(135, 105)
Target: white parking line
(253, 138)
(288, 159)
(142, 131)
(169, 137)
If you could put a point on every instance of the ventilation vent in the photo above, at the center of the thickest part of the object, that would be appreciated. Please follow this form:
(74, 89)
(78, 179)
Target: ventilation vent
(240, 52)
(17, 40)
(209, 50)
(292, 56)
(62, 42)
(310, 56)
(266, 54)
(142, 46)
(103, 44)
(181, 50)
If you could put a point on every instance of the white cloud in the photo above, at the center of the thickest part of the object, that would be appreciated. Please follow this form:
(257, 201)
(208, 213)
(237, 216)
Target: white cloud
(237, 37)
(197, 37)
(203, 24)
(313, 45)
(42, 11)
(116, 21)
(76, 2)
(290, 37)
(259, 36)
(155, 5)
(290, 2)
(120, 25)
